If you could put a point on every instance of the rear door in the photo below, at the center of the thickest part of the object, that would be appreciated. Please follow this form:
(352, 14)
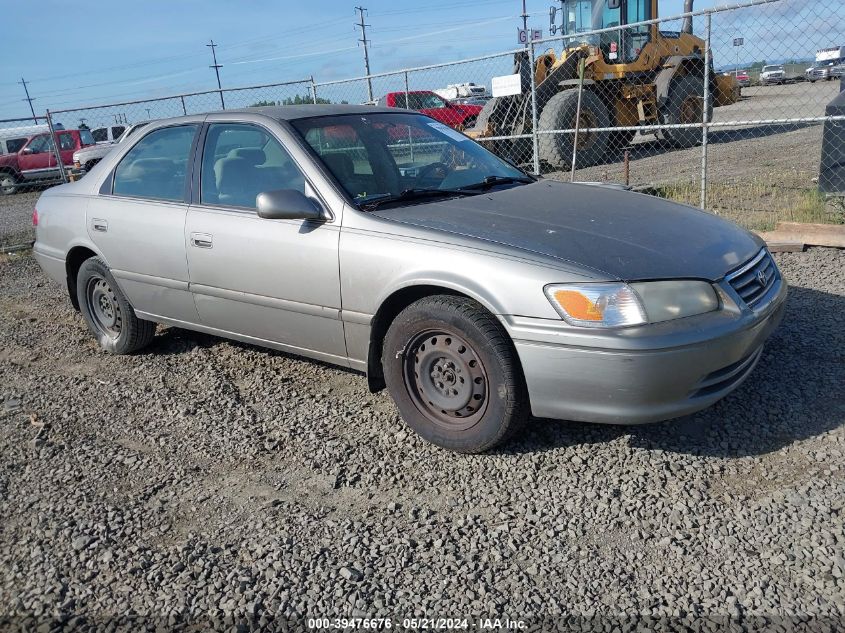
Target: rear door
(67, 145)
(270, 280)
(138, 222)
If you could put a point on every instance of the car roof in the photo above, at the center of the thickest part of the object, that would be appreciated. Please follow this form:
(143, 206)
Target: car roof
(294, 112)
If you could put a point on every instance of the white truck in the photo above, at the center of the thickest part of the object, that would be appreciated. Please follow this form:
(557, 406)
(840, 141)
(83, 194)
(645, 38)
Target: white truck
(826, 60)
(85, 158)
(464, 90)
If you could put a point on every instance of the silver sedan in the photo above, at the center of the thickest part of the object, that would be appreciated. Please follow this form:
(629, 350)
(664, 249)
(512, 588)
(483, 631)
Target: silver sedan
(384, 241)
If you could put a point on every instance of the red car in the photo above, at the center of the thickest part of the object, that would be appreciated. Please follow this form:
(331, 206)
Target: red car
(36, 160)
(459, 117)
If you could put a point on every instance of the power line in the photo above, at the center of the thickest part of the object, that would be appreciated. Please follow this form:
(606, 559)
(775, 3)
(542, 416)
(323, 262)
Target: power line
(217, 68)
(363, 39)
(28, 99)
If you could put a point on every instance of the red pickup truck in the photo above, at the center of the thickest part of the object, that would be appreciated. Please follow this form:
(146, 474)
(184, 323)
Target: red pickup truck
(459, 117)
(36, 160)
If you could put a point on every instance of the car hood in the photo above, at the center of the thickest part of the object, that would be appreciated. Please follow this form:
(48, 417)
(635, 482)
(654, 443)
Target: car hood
(622, 234)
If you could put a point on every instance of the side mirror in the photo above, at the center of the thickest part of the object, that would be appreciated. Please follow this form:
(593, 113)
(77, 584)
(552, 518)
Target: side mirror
(27, 150)
(287, 204)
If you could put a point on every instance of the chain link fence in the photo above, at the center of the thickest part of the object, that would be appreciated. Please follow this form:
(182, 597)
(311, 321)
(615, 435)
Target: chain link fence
(728, 108)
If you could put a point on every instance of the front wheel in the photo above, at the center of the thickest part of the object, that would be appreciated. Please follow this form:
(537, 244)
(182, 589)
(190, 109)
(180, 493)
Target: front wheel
(685, 106)
(454, 375)
(107, 312)
(561, 113)
(8, 183)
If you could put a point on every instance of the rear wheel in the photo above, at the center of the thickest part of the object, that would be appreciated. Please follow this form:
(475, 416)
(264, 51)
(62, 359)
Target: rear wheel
(452, 371)
(560, 114)
(685, 105)
(8, 183)
(492, 120)
(107, 312)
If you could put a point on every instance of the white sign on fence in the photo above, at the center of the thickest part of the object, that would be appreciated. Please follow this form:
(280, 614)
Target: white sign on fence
(507, 85)
(526, 35)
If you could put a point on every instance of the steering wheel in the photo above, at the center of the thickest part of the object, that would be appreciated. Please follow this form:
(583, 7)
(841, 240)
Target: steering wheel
(430, 169)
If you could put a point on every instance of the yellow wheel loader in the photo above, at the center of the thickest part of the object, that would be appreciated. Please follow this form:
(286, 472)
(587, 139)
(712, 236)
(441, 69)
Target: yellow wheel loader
(633, 76)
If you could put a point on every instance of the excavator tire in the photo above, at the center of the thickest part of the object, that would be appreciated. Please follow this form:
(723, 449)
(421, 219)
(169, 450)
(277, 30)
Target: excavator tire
(516, 150)
(559, 114)
(685, 104)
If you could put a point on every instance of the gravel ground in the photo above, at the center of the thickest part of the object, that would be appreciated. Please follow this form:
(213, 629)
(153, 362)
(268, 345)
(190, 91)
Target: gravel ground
(16, 218)
(208, 479)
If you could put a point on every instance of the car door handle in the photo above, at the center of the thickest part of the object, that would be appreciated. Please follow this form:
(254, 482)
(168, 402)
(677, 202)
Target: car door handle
(99, 224)
(201, 240)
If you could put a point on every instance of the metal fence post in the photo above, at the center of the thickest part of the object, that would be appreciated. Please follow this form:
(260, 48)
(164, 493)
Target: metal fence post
(535, 139)
(313, 90)
(184, 109)
(59, 163)
(705, 118)
(410, 138)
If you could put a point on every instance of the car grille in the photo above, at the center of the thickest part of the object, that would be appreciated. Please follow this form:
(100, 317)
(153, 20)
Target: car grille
(726, 377)
(754, 279)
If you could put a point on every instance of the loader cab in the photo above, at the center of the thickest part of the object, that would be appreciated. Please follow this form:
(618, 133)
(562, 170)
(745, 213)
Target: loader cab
(617, 47)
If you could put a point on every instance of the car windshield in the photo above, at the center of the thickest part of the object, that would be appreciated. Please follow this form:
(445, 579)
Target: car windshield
(767, 69)
(382, 156)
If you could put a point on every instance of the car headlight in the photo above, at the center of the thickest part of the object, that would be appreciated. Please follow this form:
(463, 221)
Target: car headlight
(617, 304)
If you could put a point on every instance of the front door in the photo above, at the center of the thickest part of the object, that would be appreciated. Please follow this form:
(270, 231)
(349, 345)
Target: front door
(37, 158)
(268, 280)
(138, 223)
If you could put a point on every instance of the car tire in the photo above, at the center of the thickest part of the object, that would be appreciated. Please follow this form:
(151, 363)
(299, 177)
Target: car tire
(453, 372)
(8, 183)
(107, 312)
(559, 114)
(685, 105)
(491, 116)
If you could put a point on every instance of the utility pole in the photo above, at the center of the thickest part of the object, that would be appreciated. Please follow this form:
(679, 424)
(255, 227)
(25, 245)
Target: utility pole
(363, 39)
(29, 99)
(217, 68)
(524, 18)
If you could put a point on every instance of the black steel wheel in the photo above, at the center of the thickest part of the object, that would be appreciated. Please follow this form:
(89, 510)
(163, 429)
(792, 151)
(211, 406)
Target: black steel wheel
(107, 311)
(446, 379)
(102, 304)
(453, 372)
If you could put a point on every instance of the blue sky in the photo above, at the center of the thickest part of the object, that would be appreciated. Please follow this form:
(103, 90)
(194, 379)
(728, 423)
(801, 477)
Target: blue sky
(92, 52)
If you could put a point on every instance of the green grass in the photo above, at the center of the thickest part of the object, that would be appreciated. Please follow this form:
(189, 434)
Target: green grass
(759, 205)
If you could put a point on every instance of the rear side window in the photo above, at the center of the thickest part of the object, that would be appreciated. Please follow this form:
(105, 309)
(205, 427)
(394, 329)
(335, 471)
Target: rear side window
(116, 131)
(66, 141)
(100, 134)
(157, 166)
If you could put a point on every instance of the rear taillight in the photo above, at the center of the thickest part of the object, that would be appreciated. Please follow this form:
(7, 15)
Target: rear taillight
(35, 217)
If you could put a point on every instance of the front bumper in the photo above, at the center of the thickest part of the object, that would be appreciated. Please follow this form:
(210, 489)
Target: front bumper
(663, 371)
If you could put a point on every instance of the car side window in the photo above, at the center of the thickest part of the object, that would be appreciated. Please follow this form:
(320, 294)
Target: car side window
(14, 144)
(40, 144)
(240, 161)
(116, 131)
(66, 141)
(100, 134)
(157, 166)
